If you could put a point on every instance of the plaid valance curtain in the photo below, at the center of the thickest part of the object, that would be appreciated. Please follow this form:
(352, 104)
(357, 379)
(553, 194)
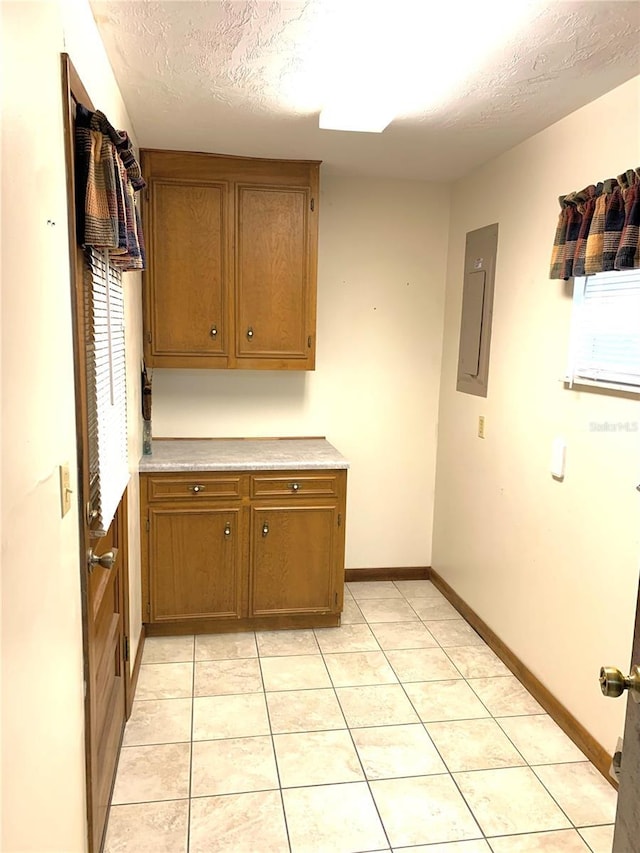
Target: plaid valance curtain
(107, 178)
(599, 228)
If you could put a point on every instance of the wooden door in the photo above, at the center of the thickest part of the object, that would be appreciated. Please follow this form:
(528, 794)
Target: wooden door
(627, 832)
(293, 560)
(106, 668)
(272, 273)
(195, 558)
(103, 587)
(186, 297)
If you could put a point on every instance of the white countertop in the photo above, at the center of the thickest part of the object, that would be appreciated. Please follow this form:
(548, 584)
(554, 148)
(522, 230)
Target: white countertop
(241, 454)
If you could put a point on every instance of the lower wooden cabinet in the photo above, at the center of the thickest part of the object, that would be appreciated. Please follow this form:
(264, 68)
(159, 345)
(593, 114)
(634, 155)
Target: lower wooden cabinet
(251, 550)
(196, 559)
(291, 549)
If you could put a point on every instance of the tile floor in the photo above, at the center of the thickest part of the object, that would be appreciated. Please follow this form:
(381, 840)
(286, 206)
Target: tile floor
(400, 730)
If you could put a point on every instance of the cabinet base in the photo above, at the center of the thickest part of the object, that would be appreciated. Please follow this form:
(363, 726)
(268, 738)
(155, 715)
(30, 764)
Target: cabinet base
(227, 626)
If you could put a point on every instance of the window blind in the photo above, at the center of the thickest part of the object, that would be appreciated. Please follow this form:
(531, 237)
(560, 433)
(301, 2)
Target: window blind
(605, 345)
(106, 389)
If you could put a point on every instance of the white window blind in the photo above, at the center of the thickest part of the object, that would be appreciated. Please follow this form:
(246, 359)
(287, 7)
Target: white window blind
(106, 389)
(605, 333)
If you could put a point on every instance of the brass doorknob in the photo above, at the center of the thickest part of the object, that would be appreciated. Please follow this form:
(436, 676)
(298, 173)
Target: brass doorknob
(613, 683)
(106, 560)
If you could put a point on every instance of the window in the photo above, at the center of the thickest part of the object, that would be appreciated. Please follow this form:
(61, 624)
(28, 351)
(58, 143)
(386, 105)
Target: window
(106, 389)
(605, 331)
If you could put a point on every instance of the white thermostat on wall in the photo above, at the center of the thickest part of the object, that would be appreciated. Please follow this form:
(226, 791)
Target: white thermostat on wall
(558, 458)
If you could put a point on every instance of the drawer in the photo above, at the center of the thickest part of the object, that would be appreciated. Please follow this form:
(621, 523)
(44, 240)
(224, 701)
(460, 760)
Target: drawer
(305, 484)
(163, 487)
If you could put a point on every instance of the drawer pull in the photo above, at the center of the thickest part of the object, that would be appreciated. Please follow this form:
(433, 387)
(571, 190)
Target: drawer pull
(227, 529)
(197, 489)
(295, 487)
(214, 331)
(265, 529)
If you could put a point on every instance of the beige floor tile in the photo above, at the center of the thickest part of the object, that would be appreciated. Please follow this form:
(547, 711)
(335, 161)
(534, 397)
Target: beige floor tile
(216, 678)
(168, 650)
(454, 632)
(477, 661)
(388, 752)
(422, 665)
(233, 766)
(295, 672)
(158, 721)
(351, 613)
(336, 818)
(376, 610)
(380, 705)
(504, 696)
(243, 715)
(304, 711)
(585, 796)
(232, 824)
(540, 740)
(349, 669)
(148, 828)
(147, 773)
(473, 745)
(226, 646)
(423, 809)
(317, 758)
(510, 801)
(453, 847)
(347, 638)
(165, 681)
(418, 589)
(374, 589)
(404, 635)
(437, 701)
(275, 643)
(434, 609)
(599, 838)
(564, 841)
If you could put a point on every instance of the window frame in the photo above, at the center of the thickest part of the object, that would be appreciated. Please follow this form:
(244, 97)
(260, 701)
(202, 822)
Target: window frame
(579, 377)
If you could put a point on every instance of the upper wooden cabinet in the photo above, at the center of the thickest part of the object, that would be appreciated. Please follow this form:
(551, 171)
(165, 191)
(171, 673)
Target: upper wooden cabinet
(232, 257)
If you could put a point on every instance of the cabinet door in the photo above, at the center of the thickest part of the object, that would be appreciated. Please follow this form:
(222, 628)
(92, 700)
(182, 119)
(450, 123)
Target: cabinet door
(274, 312)
(293, 560)
(187, 304)
(195, 558)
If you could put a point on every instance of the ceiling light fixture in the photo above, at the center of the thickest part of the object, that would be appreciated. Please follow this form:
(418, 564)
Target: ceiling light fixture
(355, 116)
(370, 62)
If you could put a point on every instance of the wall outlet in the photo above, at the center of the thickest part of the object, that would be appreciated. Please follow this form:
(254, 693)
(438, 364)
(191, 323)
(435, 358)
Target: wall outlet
(65, 489)
(481, 426)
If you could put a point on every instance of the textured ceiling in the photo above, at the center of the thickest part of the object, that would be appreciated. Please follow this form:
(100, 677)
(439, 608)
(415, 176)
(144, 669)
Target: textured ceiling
(250, 76)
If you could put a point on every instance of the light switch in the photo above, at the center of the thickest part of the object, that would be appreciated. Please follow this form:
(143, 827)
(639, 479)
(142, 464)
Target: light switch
(65, 489)
(558, 458)
(481, 426)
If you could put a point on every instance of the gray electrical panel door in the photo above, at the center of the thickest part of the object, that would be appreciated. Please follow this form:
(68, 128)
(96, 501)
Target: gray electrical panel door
(477, 310)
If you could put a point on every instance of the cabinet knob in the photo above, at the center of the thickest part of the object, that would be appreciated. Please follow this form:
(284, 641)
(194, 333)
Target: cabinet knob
(295, 487)
(196, 489)
(227, 529)
(249, 332)
(265, 529)
(214, 332)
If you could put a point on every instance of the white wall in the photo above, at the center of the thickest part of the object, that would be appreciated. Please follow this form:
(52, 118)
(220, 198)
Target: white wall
(43, 788)
(552, 567)
(382, 255)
